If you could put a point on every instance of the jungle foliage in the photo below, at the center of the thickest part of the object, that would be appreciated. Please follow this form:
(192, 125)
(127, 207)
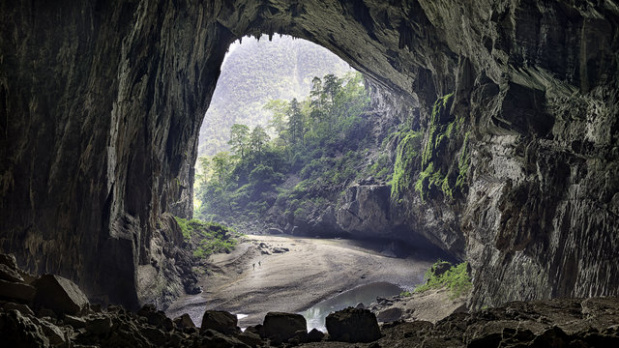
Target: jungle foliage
(207, 238)
(318, 142)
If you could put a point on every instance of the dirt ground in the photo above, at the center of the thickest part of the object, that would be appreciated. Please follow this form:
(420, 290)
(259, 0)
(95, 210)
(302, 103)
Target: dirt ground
(290, 274)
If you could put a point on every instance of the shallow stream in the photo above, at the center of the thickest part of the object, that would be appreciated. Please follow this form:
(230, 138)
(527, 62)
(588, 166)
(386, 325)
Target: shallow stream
(365, 294)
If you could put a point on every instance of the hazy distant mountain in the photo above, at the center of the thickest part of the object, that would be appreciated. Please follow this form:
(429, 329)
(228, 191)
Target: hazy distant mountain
(256, 71)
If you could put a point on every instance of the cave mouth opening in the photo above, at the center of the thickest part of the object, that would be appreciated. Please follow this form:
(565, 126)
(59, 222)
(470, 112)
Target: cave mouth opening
(290, 130)
(247, 136)
(258, 172)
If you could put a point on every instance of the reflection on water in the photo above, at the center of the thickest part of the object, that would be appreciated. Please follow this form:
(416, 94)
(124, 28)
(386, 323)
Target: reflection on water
(365, 294)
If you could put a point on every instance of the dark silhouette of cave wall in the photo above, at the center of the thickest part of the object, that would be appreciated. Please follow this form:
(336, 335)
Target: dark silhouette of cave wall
(101, 103)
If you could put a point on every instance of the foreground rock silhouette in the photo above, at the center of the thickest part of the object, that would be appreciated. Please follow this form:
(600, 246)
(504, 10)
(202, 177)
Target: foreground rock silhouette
(592, 322)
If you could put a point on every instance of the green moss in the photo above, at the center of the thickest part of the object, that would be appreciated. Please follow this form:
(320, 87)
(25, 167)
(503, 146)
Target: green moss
(438, 173)
(437, 131)
(406, 157)
(456, 280)
(431, 178)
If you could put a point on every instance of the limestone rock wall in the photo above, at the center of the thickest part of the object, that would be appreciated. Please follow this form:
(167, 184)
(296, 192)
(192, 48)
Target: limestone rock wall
(102, 102)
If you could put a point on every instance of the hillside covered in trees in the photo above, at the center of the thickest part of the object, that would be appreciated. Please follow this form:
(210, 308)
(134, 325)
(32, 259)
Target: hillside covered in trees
(318, 148)
(256, 71)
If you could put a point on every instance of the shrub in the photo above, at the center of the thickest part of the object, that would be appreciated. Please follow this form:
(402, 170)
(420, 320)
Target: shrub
(208, 237)
(456, 280)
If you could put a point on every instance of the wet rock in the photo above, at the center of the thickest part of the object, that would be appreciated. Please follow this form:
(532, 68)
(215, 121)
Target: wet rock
(353, 325)
(184, 322)
(21, 292)
(281, 327)
(220, 321)
(60, 295)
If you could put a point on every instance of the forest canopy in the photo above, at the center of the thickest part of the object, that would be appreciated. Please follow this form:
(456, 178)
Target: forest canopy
(314, 147)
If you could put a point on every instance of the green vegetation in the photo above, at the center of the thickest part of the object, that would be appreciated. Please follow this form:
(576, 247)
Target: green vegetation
(256, 72)
(442, 139)
(318, 140)
(406, 158)
(207, 237)
(456, 279)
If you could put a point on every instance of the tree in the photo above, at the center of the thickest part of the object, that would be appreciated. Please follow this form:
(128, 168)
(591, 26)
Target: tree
(258, 141)
(295, 122)
(279, 119)
(331, 87)
(222, 167)
(239, 139)
(204, 170)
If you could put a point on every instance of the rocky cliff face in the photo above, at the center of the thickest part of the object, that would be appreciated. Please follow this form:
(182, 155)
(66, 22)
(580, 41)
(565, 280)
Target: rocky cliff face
(102, 102)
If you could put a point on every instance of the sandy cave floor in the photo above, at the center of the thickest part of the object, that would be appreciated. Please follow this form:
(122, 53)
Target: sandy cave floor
(255, 279)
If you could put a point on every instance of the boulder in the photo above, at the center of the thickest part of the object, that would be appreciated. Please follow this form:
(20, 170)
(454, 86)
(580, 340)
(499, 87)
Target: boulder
(53, 333)
(60, 295)
(282, 327)
(280, 250)
(353, 325)
(250, 338)
(155, 336)
(215, 339)
(20, 331)
(75, 322)
(220, 321)
(20, 292)
(184, 322)
(156, 317)
(99, 326)
(22, 308)
(315, 336)
(390, 314)
(10, 274)
(8, 260)
(440, 268)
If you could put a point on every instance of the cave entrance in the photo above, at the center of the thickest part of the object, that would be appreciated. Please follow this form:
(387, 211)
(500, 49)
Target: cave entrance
(248, 141)
(290, 129)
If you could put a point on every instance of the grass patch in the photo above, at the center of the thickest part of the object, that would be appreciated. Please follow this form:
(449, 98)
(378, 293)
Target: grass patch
(207, 238)
(456, 279)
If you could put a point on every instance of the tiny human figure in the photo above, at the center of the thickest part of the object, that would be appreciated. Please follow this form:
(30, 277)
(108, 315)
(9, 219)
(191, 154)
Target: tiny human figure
(253, 264)
(259, 263)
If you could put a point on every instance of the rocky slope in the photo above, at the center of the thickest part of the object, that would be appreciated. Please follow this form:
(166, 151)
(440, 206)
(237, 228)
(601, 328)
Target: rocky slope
(102, 102)
(52, 311)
